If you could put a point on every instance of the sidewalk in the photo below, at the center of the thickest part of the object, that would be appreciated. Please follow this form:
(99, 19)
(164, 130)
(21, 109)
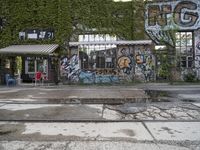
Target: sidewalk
(67, 117)
(138, 135)
(81, 93)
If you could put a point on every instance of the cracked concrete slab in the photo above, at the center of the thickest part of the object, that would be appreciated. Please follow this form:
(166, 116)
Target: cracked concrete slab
(100, 111)
(17, 107)
(196, 104)
(2, 104)
(87, 145)
(190, 96)
(177, 131)
(134, 131)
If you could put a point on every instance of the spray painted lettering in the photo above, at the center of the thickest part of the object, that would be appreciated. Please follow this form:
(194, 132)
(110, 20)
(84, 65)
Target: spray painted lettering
(125, 61)
(164, 16)
(197, 42)
(145, 65)
(70, 68)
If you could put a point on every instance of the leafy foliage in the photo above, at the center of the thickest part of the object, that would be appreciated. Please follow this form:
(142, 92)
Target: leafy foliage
(163, 71)
(68, 17)
(190, 77)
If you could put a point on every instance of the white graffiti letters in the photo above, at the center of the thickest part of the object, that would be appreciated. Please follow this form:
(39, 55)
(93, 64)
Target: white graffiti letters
(161, 17)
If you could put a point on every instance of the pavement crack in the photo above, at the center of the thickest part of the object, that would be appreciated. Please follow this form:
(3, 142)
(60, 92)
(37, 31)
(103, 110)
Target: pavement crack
(191, 116)
(189, 108)
(67, 145)
(113, 109)
(145, 126)
(103, 109)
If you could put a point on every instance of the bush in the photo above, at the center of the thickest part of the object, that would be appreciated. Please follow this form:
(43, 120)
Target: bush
(190, 77)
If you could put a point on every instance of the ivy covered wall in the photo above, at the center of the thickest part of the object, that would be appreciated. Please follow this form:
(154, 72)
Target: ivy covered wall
(67, 17)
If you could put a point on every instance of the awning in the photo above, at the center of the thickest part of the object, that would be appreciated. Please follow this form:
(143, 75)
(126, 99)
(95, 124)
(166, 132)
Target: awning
(138, 42)
(29, 49)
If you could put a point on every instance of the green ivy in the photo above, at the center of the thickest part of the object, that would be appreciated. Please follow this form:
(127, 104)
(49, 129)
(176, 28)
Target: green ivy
(124, 19)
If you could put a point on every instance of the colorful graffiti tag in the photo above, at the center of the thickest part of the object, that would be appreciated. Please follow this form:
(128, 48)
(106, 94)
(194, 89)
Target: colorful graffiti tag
(164, 16)
(131, 61)
(145, 65)
(89, 77)
(70, 68)
(197, 62)
(197, 42)
(197, 52)
(125, 60)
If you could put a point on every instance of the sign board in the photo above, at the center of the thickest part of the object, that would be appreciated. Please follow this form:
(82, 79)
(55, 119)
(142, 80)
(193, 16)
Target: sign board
(37, 34)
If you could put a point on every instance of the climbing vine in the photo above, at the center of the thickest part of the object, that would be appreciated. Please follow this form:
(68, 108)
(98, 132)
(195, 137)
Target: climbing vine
(69, 17)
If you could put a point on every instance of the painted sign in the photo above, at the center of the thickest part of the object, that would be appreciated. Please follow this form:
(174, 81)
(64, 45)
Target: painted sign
(36, 34)
(161, 17)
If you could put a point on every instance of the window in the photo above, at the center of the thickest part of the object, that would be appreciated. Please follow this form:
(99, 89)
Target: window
(41, 65)
(30, 65)
(97, 56)
(184, 48)
(186, 61)
(184, 42)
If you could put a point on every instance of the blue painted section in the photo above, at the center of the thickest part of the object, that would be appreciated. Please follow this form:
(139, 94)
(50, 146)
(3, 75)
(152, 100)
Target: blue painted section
(87, 77)
(106, 79)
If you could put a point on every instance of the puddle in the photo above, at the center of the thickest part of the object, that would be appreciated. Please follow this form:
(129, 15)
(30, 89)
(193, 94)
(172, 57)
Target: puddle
(188, 100)
(159, 100)
(158, 96)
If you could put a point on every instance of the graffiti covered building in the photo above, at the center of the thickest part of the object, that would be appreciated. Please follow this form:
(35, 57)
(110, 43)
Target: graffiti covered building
(183, 17)
(109, 62)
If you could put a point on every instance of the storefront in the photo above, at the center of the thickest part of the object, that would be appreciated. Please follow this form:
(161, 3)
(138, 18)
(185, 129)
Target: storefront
(109, 62)
(33, 58)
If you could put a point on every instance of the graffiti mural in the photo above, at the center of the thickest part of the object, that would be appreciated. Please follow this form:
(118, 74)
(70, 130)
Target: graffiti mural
(64, 64)
(145, 64)
(106, 79)
(87, 77)
(160, 17)
(197, 52)
(125, 61)
(197, 61)
(197, 42)
(70, 68)
(140, 59)
(125, 64)
(130, 62)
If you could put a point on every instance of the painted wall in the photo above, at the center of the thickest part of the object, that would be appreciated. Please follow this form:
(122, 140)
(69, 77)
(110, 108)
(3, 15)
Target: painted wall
(126, 62)
(70, 68)
(164, 16)
(180, 15)
(197, 53)
(132, 63)
(145, 64)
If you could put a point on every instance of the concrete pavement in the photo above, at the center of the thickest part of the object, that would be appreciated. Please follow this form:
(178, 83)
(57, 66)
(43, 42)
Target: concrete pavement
(167, 111)
(78, 93)
(152, 135)
(89, 145)
(100, 117)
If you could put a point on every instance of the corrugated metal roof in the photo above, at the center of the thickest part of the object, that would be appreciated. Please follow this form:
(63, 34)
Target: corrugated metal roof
(139, 42)
(29, 49)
